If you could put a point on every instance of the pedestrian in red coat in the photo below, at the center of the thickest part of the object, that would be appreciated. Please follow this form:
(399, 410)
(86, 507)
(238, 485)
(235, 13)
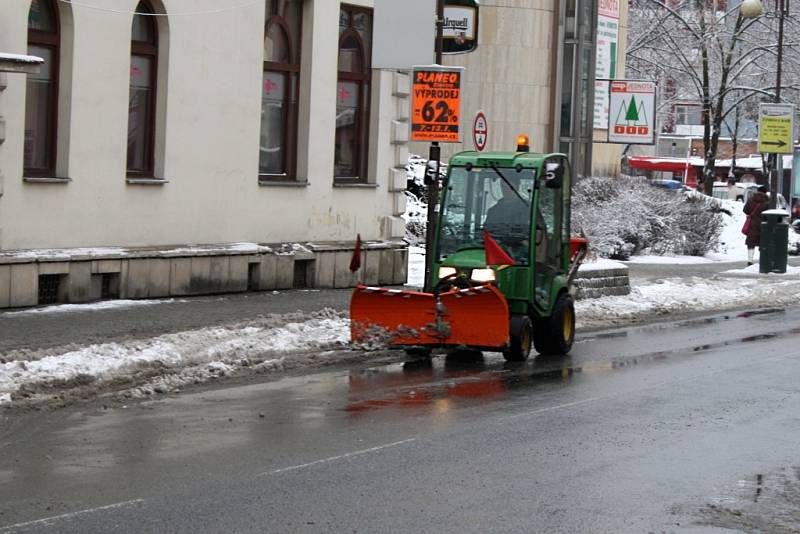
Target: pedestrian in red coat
(755, 205)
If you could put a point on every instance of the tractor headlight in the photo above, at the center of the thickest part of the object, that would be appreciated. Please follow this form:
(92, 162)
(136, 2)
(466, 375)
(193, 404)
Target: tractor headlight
(444, 272)
(482, 275)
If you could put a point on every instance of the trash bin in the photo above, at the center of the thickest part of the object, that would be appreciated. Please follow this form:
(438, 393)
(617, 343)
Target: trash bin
(773, 250)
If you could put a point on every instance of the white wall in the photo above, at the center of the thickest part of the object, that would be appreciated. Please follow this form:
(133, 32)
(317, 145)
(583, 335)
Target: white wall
(210, 147)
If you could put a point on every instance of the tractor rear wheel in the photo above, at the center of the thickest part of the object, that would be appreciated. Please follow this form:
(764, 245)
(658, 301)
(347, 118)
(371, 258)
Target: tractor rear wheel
(555, 334)
(520, 334)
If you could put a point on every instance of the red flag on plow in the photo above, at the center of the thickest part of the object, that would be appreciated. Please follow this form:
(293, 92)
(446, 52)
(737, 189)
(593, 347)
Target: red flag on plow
(355, 261)
(495, 255)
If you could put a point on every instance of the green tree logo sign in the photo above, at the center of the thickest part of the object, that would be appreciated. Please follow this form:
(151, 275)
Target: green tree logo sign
(632, 118)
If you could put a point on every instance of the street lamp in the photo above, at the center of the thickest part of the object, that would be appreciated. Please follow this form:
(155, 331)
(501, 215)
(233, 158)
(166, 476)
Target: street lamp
(751, 9)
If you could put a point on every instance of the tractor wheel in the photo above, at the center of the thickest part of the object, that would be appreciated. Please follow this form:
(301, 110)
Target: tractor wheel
(422, 353)
(520, 332)
(555, 334)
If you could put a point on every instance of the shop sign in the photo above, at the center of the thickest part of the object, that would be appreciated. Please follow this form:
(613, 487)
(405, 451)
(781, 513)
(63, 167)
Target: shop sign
(436, 104)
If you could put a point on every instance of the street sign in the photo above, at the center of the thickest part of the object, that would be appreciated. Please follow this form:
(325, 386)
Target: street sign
(775, 128)
(436, 104)
(480, 131)
(631, 107)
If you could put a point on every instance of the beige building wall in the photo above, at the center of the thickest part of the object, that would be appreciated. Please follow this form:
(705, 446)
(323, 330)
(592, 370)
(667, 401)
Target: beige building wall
(509, 77)
(208, 136)
(606, 156)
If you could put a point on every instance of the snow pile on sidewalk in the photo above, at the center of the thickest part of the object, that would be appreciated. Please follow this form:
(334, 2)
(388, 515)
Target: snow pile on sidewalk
(180, 358)
(94, 306)
(677, 296)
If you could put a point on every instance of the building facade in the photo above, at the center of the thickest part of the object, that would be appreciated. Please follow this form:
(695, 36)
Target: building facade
(174, 147)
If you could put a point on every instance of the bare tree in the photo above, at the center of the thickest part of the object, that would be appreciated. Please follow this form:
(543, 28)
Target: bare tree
(702, 52)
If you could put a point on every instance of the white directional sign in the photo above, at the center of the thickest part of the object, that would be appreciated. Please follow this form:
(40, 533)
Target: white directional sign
(631, 112)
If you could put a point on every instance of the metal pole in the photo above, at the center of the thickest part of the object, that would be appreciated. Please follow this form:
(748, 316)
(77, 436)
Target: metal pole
(433, 186)
(776, 185)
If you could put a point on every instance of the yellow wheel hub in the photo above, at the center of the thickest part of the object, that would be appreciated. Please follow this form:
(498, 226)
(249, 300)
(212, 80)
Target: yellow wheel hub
(567, 326)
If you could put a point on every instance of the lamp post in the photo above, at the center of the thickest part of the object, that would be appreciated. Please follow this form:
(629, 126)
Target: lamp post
(753, 9)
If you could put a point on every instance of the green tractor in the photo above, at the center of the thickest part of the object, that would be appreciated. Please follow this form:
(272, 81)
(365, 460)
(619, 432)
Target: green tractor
(504, 259)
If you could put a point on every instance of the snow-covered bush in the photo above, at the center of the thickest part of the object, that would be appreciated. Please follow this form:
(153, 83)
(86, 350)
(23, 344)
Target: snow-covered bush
(625, 215)
(621, 216)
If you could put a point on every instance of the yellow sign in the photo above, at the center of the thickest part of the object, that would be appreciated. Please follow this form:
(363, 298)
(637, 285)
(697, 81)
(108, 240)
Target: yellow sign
(775, 128)
(436, 104)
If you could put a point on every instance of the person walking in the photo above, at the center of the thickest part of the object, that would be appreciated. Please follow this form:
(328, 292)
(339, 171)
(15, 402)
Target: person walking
(755, 205)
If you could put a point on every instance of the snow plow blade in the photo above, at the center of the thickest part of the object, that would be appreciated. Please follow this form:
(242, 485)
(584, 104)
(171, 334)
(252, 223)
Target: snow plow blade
(474, 317)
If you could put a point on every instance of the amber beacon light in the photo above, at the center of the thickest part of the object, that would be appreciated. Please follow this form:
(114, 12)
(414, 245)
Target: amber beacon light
(523, 143)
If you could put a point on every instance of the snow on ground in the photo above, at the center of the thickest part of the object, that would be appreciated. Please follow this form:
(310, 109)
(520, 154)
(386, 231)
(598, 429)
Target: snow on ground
(675, 296)
(200, 354)
(94, 306)
(731, 241)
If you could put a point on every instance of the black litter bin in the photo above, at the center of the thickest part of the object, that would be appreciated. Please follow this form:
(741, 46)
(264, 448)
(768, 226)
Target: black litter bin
(773, 250)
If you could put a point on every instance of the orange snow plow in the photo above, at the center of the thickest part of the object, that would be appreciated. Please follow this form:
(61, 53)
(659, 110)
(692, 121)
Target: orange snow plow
(475, 316)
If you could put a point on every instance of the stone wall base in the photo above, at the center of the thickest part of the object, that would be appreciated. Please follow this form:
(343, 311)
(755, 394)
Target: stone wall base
(30, 278)
(594, 283)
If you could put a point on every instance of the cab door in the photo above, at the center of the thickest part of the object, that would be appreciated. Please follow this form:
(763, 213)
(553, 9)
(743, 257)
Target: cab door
(549, 230)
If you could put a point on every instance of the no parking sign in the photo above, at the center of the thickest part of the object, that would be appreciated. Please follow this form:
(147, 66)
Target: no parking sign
(480, 131)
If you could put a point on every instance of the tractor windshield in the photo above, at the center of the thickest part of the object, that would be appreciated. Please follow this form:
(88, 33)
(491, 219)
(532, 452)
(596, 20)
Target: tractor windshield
(494, 199)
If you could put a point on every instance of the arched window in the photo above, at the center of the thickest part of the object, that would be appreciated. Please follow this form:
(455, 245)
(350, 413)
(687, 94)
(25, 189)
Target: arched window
(41, 101)
(352, 95)
(279, 90)
(142, 98)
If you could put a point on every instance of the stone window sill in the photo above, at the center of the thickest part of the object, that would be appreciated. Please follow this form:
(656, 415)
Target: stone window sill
(280, 183)
(45, 180)
(355, 185)
(146, 181)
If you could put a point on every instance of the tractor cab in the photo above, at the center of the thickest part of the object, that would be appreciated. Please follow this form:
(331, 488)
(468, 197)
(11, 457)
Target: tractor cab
(521, 202)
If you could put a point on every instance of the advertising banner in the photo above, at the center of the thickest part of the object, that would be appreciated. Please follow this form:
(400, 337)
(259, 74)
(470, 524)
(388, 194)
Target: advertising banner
(460, 30)
(436, 104)
(605, 58)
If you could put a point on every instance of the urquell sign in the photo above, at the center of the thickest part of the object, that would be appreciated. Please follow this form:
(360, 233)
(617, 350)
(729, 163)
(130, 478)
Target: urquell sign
(460, 30)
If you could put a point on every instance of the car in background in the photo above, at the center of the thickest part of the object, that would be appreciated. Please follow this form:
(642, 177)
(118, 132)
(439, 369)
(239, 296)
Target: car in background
(671, 185)
(743, 190)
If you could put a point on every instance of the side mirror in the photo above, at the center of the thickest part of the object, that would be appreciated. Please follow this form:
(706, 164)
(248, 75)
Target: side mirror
(553, 175)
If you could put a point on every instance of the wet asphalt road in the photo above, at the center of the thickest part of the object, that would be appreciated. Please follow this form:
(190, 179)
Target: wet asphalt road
(639, 430)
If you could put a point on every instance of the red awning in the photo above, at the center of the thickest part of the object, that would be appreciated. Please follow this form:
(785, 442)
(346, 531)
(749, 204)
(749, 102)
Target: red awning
(658, 164)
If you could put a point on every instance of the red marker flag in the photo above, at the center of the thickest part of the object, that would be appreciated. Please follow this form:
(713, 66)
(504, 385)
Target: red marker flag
(355, 261)
(495, 255)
